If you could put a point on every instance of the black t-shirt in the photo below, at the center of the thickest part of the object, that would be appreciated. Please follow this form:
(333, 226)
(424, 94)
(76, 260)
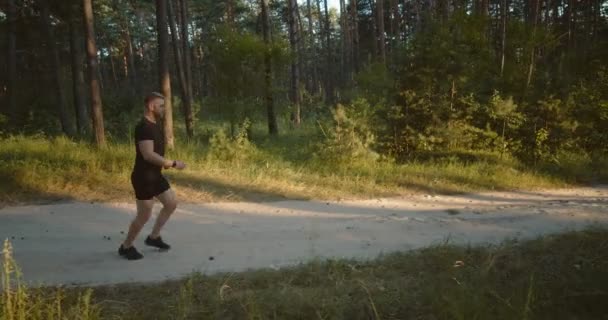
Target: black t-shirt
(146, 130)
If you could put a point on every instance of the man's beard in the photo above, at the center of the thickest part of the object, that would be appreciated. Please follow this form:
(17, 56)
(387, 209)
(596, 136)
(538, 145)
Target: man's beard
(159, 116)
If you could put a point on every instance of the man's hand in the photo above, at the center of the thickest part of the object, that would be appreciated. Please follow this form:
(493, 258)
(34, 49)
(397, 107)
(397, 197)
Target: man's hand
(179, 165)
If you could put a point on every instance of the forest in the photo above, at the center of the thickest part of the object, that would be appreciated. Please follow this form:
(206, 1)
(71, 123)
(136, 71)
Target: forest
(329, 133)
(397, 77)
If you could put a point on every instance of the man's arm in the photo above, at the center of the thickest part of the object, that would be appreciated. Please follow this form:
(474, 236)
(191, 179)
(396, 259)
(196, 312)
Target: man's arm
(146, 147)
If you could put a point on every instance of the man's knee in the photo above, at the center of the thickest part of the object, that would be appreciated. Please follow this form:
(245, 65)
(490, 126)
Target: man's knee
(143, 217)
(170, 206)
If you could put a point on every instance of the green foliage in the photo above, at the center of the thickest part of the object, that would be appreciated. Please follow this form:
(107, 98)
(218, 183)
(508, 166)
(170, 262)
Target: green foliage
(588, 103)
(224, 148)
(350, 139)
(375, 83)
(238, 73)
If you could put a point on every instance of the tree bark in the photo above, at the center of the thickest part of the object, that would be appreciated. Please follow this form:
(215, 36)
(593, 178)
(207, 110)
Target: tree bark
(381, 36)
(188, 66)
(230, 14)
(113, 66)
(12, 57)
(273, 128)
(536, 6)
(342, 42)
(295, 74)
(77, 54)
(329, 90)
(395, 22)
(66, 124)
(129, 59)
(179, 64)
(97, 109)
(311, 55)
(300, 46)
(355, 38)
(163, 70)
(503, 38)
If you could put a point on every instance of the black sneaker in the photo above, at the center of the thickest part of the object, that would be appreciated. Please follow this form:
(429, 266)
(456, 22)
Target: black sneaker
(129, 253)
(158, 243)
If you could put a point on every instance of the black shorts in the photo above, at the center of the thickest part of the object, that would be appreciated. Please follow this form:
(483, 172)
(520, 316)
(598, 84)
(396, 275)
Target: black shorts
(149, 185)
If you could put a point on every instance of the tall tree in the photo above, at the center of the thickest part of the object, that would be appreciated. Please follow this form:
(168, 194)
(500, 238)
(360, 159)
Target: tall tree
(395, 20)
(503, 34)
(163, 70)
(329, 87)
(344, 40)
(380, 28)
(312, 52)
(230, 14)
(273, 127)
(12, 56)
(534, 15)
(77, 54)
(187, 66)
(355, 38)
(181, 71)
(295, 72)
(128, 52)
(53, 54)
(96, 107)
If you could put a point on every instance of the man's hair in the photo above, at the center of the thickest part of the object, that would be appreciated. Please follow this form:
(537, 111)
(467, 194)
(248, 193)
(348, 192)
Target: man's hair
(151, 96)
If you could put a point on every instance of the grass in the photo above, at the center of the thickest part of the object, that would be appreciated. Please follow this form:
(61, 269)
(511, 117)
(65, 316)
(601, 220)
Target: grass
(554, 277)
(36, 168)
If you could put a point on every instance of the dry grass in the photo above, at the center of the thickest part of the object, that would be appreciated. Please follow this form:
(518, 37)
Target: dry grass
(556, 277)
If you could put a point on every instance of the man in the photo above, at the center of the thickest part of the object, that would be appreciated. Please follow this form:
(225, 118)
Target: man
(147, 180)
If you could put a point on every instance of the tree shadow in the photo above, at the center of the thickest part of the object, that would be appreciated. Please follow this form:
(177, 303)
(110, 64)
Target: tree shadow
(226, 191)
(27, 193)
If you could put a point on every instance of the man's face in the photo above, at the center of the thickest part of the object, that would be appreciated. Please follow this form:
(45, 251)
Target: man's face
(157, 106)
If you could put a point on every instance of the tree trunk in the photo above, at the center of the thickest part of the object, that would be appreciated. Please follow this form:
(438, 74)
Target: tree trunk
(481, 7)
(12, 57)
(311, 56)
(329, 90)
(342, 42)
(295, 74)
(230, 14)
(597, 18)
(395, 22)
(536, 5)
(128, 59)
(300, 47)
(273, 128)
(355, 40)
(381, 36)
(503, 42)
(188, 67)
(131, 59)
(113, 66)
(347, 36)
(97, 110)
(179, 64)
(66, 124)
(163, 70)
(77, 54)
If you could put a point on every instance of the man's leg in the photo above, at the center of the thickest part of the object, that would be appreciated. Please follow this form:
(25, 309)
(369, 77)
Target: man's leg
(169, 202)
(144, 211)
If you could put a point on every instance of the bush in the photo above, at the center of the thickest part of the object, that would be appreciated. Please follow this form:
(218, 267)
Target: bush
(350, 139)
(224, 148)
